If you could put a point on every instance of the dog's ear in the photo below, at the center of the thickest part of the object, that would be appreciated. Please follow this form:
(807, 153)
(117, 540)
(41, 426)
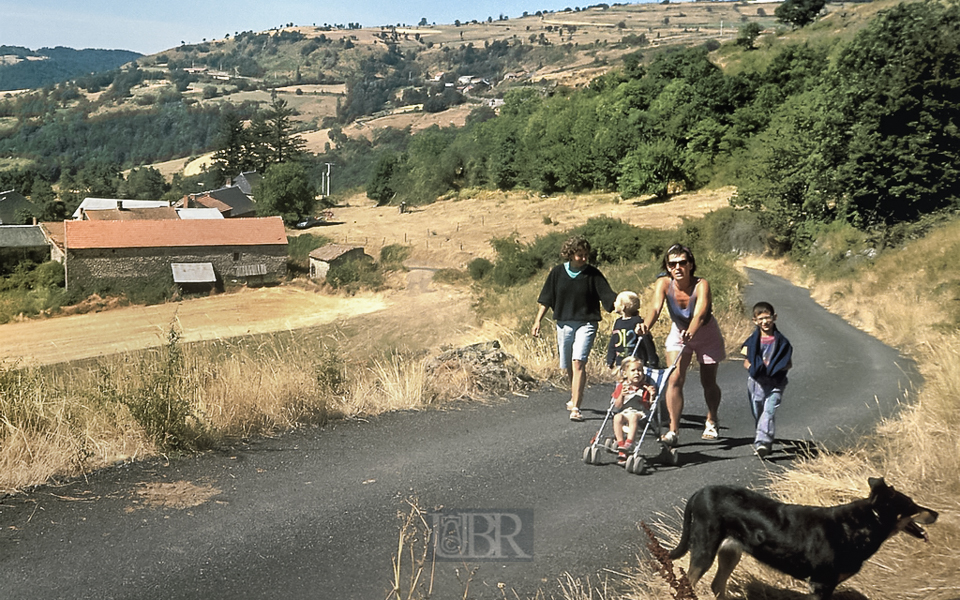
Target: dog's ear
(876, 485)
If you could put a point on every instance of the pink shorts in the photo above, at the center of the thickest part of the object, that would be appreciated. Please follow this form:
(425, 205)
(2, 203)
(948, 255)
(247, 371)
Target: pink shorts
(707, 343)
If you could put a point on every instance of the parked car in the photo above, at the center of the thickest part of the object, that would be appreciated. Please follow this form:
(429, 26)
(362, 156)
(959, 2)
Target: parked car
(308, 223)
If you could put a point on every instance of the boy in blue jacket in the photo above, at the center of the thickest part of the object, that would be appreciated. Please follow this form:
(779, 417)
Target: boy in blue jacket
(768, 356)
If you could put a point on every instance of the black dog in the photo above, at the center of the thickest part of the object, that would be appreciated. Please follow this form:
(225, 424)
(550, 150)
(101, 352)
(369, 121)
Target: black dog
(825, 545)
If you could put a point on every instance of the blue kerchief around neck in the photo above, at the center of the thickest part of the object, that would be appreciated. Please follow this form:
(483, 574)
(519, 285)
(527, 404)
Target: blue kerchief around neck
(573, 274)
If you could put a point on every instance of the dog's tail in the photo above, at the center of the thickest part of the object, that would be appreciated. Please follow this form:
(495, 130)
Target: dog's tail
(684, 543)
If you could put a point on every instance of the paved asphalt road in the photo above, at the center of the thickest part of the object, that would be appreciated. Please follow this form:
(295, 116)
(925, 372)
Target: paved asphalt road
(314, 514)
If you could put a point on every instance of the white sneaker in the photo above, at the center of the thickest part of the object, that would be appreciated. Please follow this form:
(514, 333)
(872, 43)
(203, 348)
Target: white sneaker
(670, 438)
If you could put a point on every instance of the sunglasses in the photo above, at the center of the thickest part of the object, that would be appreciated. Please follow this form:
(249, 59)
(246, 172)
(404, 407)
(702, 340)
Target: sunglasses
(678, 263)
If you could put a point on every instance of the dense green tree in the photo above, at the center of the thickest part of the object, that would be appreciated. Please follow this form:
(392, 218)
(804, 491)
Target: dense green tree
(799, 12)
(232, 143)
(284, 143)
(429, 168)
(381, 186)
(99, 180)
(649, 169)
(890, 130)
(145, 183)
(286, 191)
(748, 34)
(257, 147)
(785, 183)
(45, 200)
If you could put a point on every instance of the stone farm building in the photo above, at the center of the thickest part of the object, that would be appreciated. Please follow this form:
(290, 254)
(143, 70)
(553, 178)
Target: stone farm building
(253, 249)
(331, 255)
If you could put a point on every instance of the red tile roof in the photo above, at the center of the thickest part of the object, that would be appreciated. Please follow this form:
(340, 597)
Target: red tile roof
(54, 231)
(174, 233)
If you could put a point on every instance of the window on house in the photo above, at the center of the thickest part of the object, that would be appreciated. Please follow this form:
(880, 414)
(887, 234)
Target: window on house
(236, 256)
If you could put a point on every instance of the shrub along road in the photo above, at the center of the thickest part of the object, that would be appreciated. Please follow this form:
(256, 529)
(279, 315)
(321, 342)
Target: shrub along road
(314, 514)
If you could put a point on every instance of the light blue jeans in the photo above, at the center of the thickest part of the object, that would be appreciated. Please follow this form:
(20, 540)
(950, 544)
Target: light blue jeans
(764, 402)
(574, 341)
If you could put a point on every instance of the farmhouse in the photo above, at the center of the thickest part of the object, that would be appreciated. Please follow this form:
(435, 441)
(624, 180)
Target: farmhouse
(230, 201)
(331, 255)
(252, 249)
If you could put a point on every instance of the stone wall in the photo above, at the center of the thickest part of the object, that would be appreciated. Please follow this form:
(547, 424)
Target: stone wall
(229, 262)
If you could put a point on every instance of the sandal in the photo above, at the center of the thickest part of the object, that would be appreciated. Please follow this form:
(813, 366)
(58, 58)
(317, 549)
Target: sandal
(575, 415)
(571, 405)
(710, 431)
(670, 438)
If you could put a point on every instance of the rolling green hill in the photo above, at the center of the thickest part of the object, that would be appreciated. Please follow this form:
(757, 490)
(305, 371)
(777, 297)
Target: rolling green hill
(22, 68)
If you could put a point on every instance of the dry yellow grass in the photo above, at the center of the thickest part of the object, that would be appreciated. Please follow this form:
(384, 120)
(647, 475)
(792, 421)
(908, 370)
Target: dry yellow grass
(450, 233)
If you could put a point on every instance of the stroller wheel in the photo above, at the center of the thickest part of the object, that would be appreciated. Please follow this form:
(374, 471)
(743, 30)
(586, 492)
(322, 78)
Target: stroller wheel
(639, 466)
(629, 464)
(591, 455)
(595, 455)
(610, 444)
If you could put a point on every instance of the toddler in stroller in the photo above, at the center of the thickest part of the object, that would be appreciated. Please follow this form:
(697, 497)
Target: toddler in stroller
(631, 403)
(636, 400)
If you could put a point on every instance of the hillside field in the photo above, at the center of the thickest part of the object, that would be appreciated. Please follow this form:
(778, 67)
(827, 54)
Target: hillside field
(446, 234)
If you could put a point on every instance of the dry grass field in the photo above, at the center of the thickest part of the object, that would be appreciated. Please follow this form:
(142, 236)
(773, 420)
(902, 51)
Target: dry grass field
(446, 234)
(450, 233)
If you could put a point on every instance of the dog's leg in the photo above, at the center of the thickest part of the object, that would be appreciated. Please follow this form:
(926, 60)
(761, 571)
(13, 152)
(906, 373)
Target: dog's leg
(701, 558)
(727, 558)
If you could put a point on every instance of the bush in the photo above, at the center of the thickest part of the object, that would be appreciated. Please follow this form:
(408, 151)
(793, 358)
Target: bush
(352, 275)
(392, 257)
(299, 248)
(479, 268)
(158, 404)
(330, 370)
(731, 230)
(138, 290)
(615, 241)
(515, 262)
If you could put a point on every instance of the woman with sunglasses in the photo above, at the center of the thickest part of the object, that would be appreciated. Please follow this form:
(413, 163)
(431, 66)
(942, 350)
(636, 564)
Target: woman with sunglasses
(694, 331)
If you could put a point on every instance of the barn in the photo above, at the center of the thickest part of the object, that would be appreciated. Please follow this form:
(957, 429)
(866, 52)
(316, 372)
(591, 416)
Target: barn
(331, 255)
(241, 250)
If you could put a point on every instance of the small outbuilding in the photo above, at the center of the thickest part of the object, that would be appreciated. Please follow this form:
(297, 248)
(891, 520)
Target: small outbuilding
(20, 243)
(15, 209)
(331, 255)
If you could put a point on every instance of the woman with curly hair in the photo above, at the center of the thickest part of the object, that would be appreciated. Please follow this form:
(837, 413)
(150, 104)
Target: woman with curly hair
(575, 291)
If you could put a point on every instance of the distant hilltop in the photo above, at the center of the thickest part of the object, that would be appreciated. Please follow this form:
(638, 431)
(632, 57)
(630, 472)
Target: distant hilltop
(22, 68)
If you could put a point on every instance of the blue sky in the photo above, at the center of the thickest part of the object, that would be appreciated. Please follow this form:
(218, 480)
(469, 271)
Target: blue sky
(150, 26)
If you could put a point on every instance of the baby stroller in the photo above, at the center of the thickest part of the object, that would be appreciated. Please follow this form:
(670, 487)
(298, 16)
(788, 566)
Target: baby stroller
(637, 462)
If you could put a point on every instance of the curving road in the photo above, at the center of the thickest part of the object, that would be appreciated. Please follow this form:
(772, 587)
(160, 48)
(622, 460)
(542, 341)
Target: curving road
(314, 514)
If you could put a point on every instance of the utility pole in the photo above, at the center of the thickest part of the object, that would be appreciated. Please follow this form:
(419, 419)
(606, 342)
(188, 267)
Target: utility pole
(328, 178)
